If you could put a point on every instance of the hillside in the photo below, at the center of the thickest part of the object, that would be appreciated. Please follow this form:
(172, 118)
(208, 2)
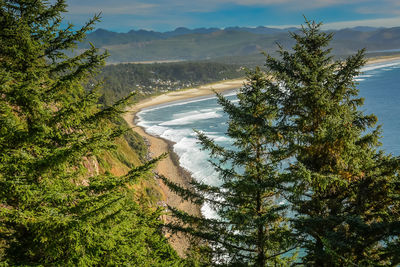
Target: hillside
(233, 44)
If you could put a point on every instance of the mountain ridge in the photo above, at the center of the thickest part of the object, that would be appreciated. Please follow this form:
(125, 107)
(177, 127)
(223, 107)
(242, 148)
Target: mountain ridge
(214, 43)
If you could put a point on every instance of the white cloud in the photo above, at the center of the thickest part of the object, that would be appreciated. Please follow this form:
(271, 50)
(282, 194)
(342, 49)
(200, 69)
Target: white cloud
(121, 7)
(385, 22)
(382, 22)
(385, 7)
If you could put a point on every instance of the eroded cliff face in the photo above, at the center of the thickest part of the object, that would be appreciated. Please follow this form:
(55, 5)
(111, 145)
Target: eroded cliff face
(130, 151)
(92, 166)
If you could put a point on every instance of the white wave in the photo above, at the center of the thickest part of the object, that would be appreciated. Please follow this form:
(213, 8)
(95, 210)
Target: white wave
(362, 76)
(380, 65)
(192, 118)
(195, 112)
(222, 139)
(208, 212)
(185, 114)
(141, 121)
(175, 135)
(177, 103)
(211, 109)
(146, 123)
(192, 158)
(359, 79)
(231, 94)
(184, 102)
(217, 137)
(156, 130)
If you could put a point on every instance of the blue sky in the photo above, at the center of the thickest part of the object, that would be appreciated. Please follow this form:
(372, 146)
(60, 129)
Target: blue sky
(165, 15)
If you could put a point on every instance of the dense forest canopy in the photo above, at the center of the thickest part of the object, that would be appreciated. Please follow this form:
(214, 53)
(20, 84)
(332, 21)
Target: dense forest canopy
(58, 205)
(147, 79)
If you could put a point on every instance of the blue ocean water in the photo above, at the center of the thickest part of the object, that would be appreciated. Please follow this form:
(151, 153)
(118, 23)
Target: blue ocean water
(379, 85)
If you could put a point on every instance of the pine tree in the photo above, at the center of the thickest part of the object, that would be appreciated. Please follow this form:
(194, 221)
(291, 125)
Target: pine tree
(52, 211)
(250, 228)
(344, 192)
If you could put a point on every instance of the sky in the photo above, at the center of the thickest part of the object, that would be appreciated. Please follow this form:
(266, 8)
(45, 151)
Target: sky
(166, 15)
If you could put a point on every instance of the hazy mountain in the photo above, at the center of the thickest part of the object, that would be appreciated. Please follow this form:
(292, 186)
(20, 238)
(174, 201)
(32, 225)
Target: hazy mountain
(240, 42)
(183, 31)
(260, 30)
(101, 37)
(365, 28)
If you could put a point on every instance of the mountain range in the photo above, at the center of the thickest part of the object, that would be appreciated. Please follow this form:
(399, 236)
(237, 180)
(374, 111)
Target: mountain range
(229, 44)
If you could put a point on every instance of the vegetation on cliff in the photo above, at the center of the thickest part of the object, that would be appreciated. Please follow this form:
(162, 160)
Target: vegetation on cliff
(58, 205)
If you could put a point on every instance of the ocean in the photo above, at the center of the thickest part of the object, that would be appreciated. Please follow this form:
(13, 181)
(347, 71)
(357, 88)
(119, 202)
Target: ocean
(379, 85)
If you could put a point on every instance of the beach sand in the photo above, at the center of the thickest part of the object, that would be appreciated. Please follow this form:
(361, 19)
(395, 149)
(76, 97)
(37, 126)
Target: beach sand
(382, 59)
(169, 167)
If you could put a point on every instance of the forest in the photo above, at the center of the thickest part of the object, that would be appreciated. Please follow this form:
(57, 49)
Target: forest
(305, 183)
(149, 79)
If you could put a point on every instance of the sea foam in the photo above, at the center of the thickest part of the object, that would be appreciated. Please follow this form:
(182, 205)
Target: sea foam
(175, 122)
(370, 67)
(192, 118)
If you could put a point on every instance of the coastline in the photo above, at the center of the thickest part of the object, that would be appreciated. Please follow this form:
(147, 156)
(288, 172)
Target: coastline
(184, 94)
(383, 59)
(170, 167)
(208, 89)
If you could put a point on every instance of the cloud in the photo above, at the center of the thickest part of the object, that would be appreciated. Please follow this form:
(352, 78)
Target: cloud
(123, 15)
(157, 6)
(114, 7)
(384, 7)
(384, 22)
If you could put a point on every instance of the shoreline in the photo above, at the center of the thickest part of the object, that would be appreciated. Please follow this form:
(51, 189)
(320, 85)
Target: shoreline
(383, 59)
(222, 86)
(169, 167)
(201, 91)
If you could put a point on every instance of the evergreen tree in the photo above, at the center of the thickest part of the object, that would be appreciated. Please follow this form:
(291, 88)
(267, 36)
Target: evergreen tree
(344, 192)
(52, 211)
(250, 228)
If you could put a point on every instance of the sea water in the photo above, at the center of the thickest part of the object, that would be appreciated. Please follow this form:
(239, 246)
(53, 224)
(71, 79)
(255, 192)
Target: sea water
(379, 85)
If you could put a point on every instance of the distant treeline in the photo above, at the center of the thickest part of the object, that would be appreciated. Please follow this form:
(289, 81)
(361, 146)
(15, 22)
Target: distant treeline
(121, 79)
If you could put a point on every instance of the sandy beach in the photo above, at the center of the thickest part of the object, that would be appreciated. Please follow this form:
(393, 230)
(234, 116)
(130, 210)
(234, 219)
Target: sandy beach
(382, 59)
(169, 167)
